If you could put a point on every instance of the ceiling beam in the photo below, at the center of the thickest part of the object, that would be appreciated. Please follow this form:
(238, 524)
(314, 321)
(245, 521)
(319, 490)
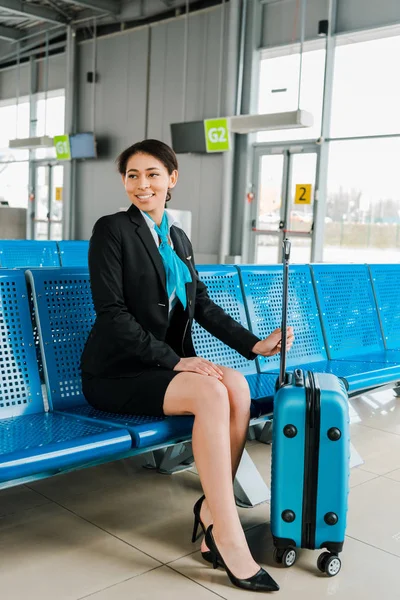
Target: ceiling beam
(112, 7)
(32, 11)
(10, 33)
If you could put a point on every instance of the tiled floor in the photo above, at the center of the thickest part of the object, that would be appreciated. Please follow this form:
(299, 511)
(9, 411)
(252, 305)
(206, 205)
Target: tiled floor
(119, 532)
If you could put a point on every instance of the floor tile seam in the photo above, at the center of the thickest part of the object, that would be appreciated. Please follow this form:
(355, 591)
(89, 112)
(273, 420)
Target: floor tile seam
(372, 546)
(356, 485)
(23, 510)
(108, 587)
(104, 530)
(197, 582)
(377, 429)
(377, 476)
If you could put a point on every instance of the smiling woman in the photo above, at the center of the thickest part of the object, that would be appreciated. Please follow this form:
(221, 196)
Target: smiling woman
(139, 357)
(149, 169)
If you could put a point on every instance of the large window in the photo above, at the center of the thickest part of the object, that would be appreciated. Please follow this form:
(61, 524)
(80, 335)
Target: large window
(366, 88)
(363, 202)
(278, 91)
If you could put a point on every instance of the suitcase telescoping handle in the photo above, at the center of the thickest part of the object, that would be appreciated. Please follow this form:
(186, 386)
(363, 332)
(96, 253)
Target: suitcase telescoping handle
(286, 256)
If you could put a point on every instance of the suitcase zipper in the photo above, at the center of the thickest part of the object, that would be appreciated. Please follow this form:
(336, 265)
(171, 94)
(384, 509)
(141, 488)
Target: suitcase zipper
(311, 461)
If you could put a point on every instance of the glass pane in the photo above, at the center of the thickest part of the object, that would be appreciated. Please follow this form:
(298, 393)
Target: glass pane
(278, 91)
(300, 251)
(56, 205)
(366, 89)
(14, 124)
(363, 202)
(42, 202)
(303, 170)
(270, 191)
(267, 249)
(50, 121)
(56, 231)
(14, 181)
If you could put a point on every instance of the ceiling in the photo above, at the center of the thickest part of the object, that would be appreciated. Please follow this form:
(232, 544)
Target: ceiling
(26, 22)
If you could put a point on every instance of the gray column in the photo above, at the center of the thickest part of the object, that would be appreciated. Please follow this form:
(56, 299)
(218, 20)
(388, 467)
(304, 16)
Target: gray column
(247, 104)
(30, 226)
(322, 167)
(69, 192)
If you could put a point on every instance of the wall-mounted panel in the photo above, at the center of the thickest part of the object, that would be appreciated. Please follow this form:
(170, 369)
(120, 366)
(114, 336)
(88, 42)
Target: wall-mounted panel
(282, 21)
(353, 15)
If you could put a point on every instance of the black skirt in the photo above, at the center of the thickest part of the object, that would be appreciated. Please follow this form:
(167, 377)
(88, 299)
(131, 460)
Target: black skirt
(142, 394)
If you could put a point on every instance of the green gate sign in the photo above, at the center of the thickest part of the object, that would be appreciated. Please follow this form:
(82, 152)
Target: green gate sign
(63, 150)
(217, 135)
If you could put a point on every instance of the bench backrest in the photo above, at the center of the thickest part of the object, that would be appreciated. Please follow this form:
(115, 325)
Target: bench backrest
(347, 306)
(386, 285)
(73, 253)
(224, 288)
(20, 391)
(28, 253)
(262, 287)
(65, 315)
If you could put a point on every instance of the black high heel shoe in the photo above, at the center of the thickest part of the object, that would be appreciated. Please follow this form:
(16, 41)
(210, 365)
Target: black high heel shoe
(207, 556)
(260, 582)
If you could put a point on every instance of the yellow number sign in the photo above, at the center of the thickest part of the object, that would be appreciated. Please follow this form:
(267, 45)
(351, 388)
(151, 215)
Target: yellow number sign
(59, 193)
(303, 193)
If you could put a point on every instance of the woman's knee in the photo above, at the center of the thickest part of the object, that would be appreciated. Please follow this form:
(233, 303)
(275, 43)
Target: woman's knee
(196, 394)
(212, 397)
(238, 390)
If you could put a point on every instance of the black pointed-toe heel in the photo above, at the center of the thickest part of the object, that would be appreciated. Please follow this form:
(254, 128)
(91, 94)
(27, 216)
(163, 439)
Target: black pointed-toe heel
(260, 582)
(207, 556)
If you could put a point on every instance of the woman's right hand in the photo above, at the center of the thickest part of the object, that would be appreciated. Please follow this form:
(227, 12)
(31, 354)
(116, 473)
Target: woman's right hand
(199, 365)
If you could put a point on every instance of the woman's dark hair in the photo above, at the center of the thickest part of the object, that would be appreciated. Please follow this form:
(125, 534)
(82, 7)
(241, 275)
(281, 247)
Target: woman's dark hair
(155, 148)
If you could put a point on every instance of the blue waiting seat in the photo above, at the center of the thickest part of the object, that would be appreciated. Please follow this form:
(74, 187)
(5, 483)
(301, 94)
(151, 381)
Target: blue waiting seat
(262, 287)
(73, 253)
(33, 443)
(349, 314)
(28, 253)
(224, 288)
(386, 286)
(65, 319)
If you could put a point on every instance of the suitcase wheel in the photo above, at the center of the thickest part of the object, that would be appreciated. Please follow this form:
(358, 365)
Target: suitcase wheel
(329, 563)
(289, 557)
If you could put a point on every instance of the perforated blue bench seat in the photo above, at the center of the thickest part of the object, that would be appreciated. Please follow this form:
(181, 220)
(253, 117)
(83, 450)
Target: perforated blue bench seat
(386, 285)
(263, 292)
(33, 442)
(61, 292)
(73, 253)
(28, 253)
(48, 443)
(350, 317)
(145, 431)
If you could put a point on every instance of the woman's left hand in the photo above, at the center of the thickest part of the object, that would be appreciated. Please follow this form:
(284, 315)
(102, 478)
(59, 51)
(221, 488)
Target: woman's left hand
(272, 344)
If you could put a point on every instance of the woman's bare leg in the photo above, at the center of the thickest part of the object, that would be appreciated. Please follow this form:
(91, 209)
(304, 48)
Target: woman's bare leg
(239, 402)
(207, 399)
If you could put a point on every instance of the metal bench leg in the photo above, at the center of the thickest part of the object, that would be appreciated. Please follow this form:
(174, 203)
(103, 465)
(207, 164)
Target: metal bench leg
(355, 458)
(249, 487)
(171, 459)
(263, 432)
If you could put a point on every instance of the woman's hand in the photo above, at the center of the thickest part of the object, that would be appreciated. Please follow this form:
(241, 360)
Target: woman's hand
(199, 365)
(272, 344)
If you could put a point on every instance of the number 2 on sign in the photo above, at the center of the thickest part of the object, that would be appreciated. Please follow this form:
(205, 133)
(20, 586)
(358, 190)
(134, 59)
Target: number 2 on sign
(303, 193)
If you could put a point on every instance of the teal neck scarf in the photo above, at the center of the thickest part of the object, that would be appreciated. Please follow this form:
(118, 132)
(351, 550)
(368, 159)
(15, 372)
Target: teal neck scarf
(177, 273)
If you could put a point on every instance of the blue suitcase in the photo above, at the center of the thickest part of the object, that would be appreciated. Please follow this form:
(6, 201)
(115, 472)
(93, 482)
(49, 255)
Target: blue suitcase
(310, 461)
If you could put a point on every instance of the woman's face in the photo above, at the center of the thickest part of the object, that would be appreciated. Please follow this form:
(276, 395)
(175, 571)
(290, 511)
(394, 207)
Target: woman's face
(147, 181)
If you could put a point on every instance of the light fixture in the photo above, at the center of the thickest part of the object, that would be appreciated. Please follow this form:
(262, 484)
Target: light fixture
(31, 143)
(269, 122)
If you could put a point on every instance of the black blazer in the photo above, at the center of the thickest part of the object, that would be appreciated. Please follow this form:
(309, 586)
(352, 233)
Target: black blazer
(130, 298)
